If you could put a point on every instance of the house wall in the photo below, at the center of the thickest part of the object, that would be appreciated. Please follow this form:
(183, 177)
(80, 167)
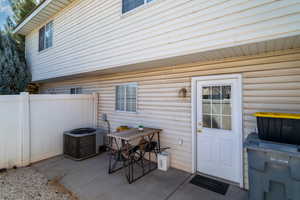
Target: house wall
(271, 82)
(92, 35)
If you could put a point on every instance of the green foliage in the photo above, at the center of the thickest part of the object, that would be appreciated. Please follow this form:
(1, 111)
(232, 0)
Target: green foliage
(19, 39)
(14, 73)
(21, 8)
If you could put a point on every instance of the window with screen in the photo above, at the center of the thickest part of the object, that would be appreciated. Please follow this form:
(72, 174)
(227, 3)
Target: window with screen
(128, 5)
(126, 97)
(46, 36)
(76, 90)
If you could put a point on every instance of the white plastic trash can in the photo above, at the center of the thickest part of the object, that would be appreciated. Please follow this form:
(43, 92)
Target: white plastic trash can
(163, 161)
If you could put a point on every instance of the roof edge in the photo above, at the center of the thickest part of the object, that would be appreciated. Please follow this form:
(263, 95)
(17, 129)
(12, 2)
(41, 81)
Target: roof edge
(45, 9)
(33, 13)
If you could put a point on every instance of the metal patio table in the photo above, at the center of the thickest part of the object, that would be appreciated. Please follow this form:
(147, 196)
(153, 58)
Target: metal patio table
(133, 156)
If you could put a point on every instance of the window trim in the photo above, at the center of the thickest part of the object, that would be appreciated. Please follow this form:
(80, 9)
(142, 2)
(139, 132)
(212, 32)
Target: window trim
(136, 9)
(136, 98)
(44, 39)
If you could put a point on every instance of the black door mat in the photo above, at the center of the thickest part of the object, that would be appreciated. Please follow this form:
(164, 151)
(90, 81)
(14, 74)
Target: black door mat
(210, 184)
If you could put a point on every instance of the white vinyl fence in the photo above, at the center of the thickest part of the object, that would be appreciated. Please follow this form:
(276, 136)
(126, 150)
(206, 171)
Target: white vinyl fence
(31, 126)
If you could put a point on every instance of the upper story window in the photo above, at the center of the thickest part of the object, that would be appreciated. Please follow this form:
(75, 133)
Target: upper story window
(46, 36)
(126, 97)
(128, 5)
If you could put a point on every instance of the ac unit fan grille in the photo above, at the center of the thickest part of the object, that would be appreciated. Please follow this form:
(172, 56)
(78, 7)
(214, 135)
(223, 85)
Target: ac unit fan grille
(80, 147)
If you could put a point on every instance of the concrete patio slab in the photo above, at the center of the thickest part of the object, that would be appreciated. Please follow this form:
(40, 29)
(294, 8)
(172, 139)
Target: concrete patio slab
(89, 180)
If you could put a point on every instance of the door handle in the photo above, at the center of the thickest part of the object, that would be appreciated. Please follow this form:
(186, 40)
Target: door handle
(199, 130)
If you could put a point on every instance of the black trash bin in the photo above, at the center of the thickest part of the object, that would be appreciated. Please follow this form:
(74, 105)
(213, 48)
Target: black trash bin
(274, 170)
(279, 127)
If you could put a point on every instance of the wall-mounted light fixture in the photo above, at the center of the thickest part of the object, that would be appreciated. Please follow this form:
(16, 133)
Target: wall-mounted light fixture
(182, 92)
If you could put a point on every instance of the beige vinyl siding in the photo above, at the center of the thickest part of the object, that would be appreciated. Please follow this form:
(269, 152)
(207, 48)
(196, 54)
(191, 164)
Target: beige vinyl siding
(91, 35)
(271, 82)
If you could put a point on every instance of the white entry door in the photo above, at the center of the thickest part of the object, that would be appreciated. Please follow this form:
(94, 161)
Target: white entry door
(219, 128)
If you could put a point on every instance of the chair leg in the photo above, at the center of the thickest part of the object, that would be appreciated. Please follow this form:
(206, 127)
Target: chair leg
(142, 163)
(132, 172)
(109, 163)
(126, 164)
(149, 160)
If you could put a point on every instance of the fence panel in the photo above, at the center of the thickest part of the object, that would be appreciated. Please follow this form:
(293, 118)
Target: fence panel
(51, 115)
(10, 138)
(31, 126)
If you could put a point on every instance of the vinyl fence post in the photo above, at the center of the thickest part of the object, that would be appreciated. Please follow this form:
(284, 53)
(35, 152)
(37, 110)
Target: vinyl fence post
(95, 109)
(25, 128)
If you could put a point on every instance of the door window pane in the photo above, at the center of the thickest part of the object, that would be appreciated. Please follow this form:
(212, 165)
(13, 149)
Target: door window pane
(207, 121)
(226, 122)
(226, 95)
(226, 107)
(216, 121)
(206, 93)
(216, 107)
(216, 92)
(216, 102)
(226, 92)
(206, 106)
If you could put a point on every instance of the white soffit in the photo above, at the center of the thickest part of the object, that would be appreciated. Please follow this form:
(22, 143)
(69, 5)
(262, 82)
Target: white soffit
(40, 15)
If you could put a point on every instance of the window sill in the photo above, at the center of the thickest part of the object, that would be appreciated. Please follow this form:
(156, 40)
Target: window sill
(45, 50)
(138, 9)
(128, 112)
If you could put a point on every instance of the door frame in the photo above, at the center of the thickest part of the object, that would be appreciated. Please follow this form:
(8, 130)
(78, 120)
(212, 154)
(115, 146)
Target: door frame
(194, 81)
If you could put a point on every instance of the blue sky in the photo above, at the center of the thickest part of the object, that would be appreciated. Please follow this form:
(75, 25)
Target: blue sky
(5, 11)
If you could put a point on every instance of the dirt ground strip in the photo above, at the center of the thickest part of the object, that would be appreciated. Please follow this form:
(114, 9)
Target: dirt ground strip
(29, 184)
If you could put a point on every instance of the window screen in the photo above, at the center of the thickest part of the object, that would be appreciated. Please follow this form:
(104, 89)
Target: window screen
(120, 98)
(46, 36)
(126, 97)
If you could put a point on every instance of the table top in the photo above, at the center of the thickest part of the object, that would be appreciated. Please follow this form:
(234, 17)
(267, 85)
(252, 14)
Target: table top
(134, 133)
